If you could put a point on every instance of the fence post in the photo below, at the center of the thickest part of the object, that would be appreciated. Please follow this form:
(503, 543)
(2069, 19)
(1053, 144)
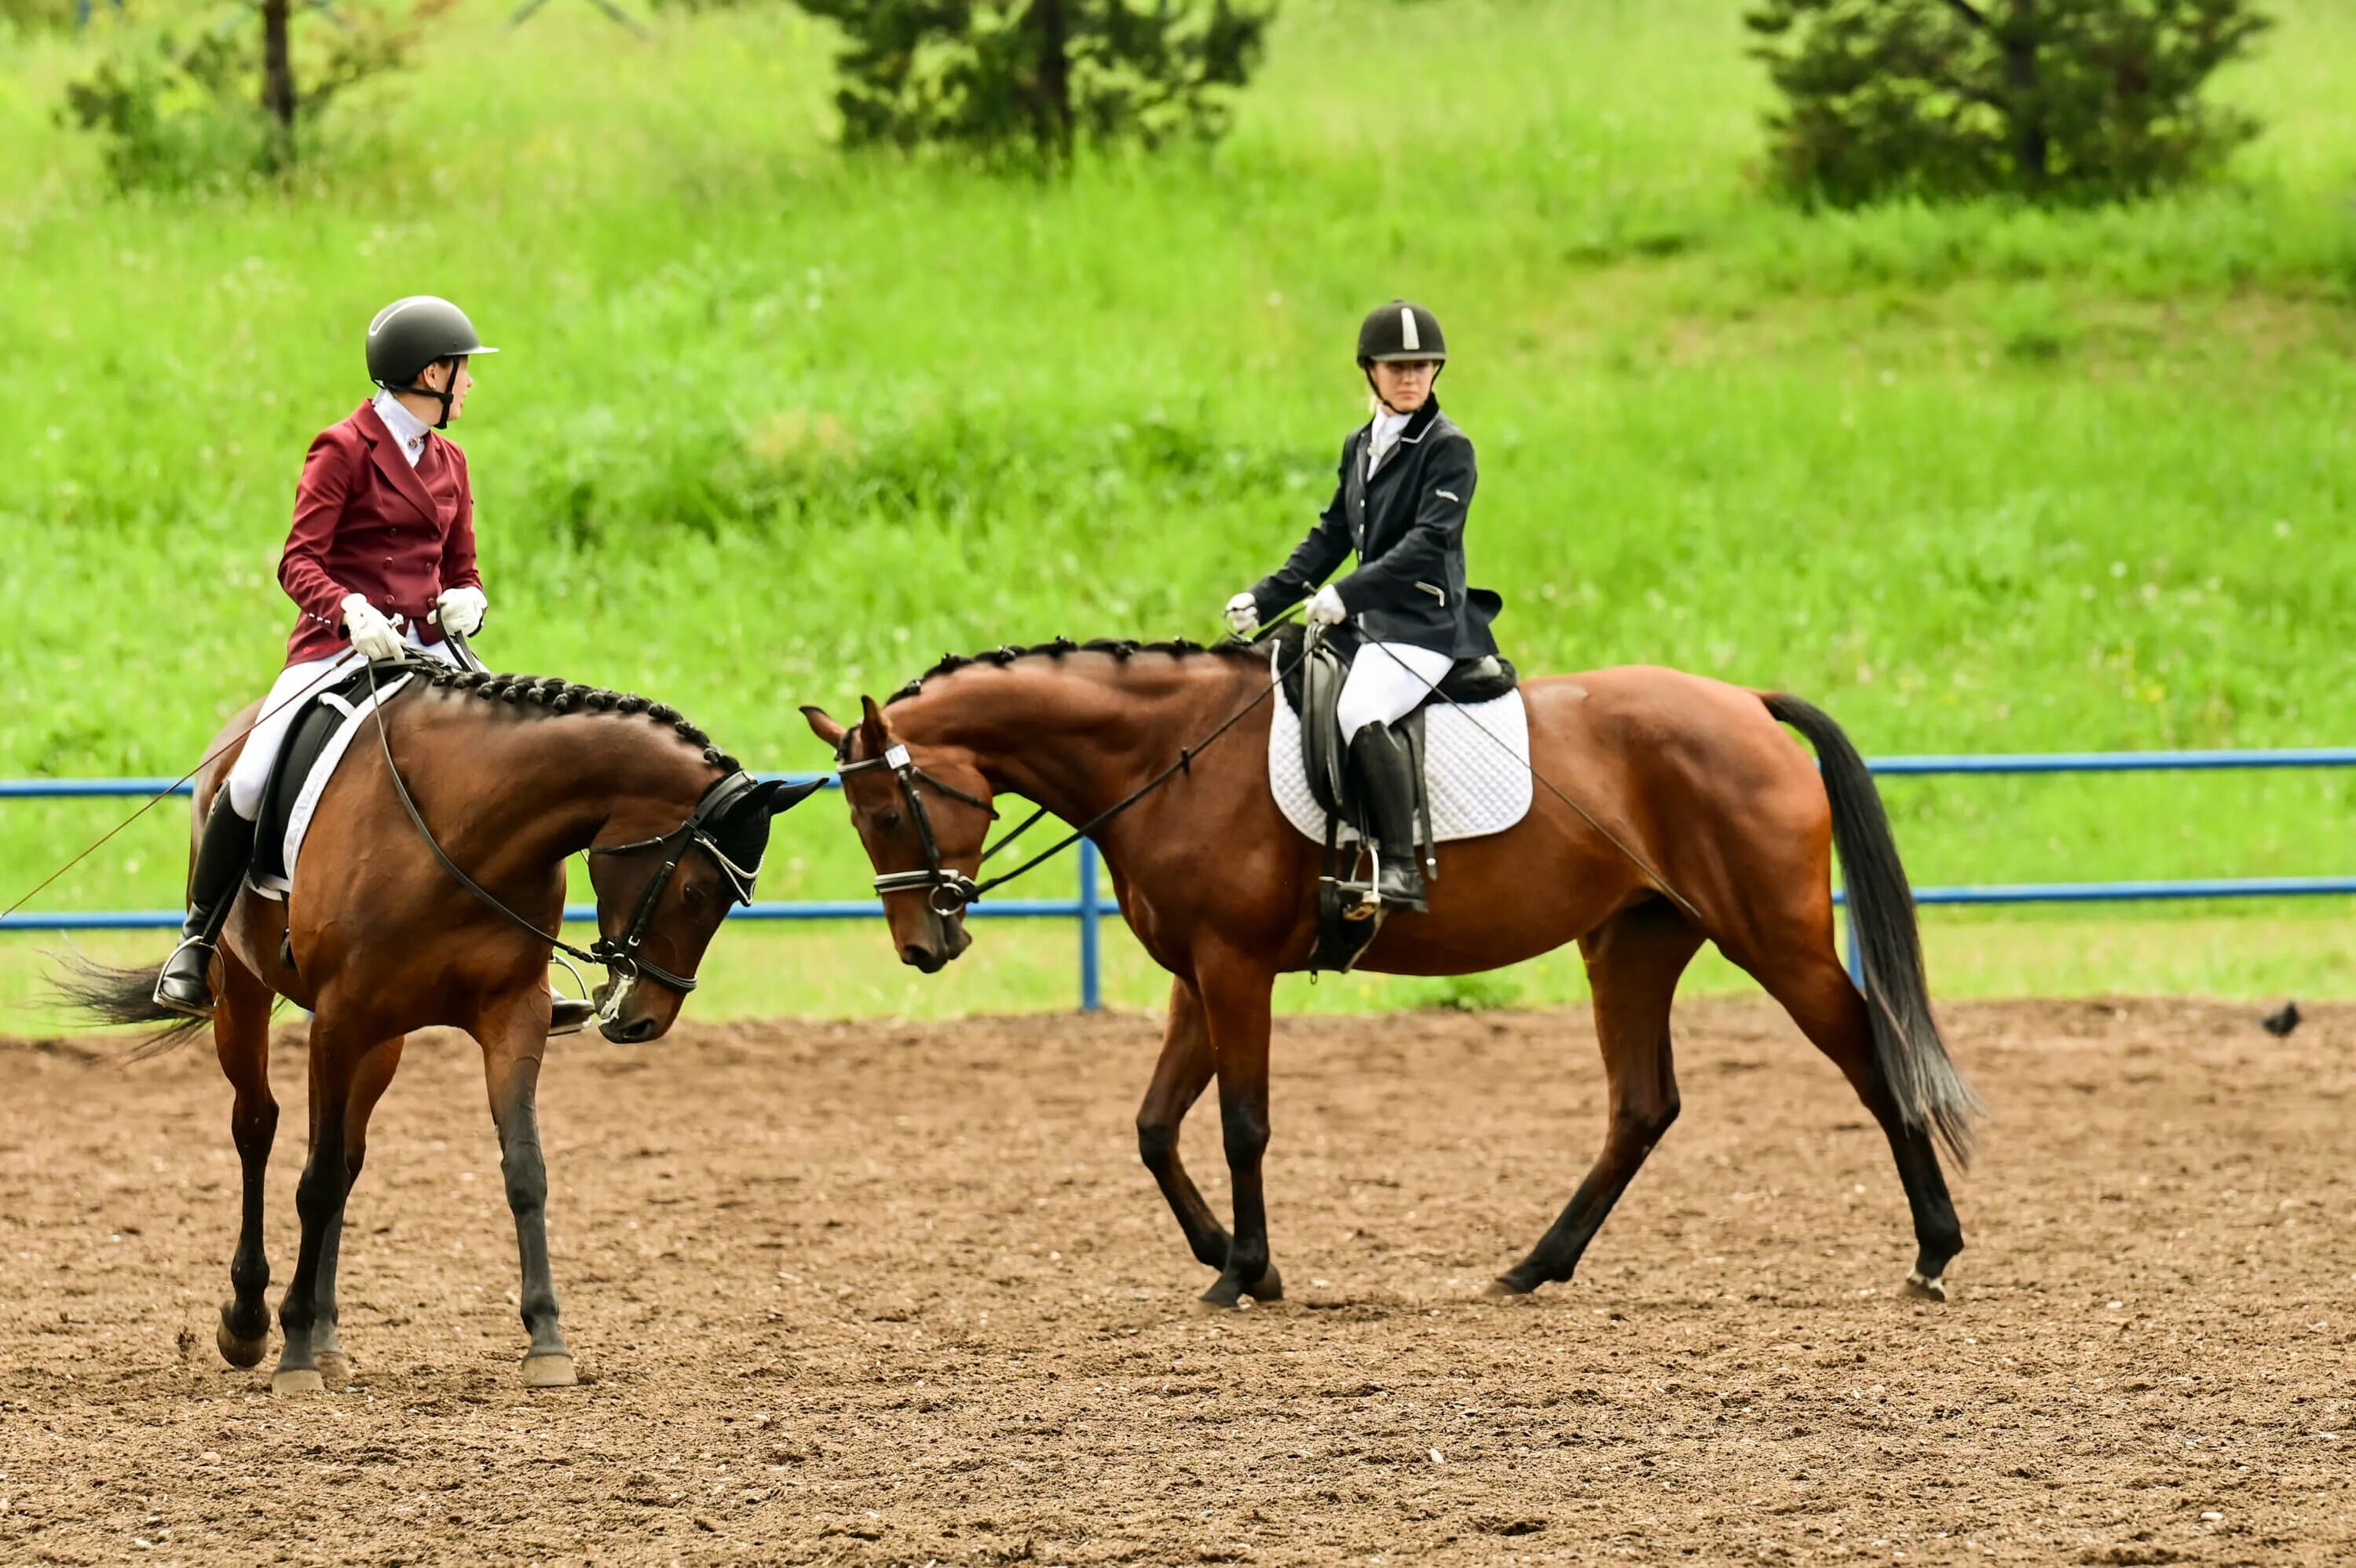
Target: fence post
(1091, 976)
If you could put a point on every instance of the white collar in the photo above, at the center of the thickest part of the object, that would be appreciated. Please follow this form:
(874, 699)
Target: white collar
(1387, 426)
(406, 428)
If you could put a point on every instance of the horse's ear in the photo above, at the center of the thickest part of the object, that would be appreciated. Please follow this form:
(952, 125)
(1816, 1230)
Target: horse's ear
(876, 728)
(782, 795)
(824, 725)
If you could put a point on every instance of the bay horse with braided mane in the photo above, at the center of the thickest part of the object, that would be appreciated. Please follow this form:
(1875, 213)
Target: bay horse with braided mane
(511, 777)
(1693, 775)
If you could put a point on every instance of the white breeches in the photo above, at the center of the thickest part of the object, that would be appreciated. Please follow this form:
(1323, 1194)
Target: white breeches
(251, 774)
(1379, 691)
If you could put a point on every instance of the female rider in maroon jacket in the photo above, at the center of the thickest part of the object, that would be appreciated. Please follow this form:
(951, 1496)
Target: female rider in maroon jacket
(382, 557)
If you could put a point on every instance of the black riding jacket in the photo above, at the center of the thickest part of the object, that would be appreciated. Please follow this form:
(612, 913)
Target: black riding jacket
(1407, 525)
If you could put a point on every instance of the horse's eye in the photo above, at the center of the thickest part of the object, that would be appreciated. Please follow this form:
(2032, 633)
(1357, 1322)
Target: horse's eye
(887, 820)
(692, 896)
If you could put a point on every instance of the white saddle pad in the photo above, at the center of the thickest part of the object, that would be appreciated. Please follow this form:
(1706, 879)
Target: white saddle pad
(298, 820)
(1477, 786)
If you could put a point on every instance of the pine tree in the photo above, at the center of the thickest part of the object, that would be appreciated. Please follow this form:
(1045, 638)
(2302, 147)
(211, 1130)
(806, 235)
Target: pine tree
(2060, 100)
(1035, 78)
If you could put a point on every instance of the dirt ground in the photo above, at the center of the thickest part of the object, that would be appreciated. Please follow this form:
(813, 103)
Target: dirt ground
(870, 1293)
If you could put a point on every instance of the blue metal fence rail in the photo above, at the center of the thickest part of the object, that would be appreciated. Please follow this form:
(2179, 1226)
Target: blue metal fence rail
(1087, 906)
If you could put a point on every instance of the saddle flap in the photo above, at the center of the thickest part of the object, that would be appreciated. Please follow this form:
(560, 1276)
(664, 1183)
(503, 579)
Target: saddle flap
(317, 739)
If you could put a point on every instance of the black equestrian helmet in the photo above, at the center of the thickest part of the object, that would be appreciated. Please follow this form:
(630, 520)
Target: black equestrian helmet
(1401, 331)
(411, 333)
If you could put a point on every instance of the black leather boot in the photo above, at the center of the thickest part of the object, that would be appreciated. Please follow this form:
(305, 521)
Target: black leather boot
(224, 852)
(569, 1015)
(1387, 782)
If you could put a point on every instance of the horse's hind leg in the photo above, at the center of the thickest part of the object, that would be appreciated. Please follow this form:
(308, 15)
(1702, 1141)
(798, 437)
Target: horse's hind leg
(1818, 992)
(242, 1041)
(372, 1077)
(1179, 1080)
(1634, 961)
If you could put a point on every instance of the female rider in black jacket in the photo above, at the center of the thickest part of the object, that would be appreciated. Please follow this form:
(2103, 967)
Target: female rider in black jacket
(1406, 484)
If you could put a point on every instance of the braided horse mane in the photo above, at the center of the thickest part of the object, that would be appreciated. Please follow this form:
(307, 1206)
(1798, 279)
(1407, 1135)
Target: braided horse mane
(1118, 648)
(551, 694)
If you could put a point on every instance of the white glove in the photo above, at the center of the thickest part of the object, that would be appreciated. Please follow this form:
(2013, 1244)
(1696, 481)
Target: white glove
(1243, 615)
(462, 610)
(371, 633)
(1326, 607)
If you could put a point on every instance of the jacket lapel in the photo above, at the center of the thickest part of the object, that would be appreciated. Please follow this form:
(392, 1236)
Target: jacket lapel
(386, 450)
(1417, 423)
(1354, 487)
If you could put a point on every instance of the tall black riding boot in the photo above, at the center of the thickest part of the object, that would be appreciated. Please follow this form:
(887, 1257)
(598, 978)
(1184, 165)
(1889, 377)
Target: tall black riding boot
(1386, 774)
(222, 855)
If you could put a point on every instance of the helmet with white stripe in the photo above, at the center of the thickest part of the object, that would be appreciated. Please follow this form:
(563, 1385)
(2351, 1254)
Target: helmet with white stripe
(1401, 331)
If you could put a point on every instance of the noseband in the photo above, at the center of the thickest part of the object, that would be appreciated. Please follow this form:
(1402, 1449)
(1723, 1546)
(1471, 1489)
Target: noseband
(622, 955)
(946, 891)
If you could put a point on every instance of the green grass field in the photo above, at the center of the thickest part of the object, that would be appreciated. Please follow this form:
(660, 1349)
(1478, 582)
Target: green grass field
(775, 425)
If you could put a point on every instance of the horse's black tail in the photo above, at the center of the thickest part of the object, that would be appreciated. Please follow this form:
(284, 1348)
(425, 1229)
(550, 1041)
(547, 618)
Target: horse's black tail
(112, 995)
(1929, 1091)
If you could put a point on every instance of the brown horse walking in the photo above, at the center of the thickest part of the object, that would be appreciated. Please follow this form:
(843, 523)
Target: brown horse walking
(1694, 774)
(512, 775)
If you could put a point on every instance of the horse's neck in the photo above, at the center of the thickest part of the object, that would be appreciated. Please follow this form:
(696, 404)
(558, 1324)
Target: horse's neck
(1080, 734)
(538, 788)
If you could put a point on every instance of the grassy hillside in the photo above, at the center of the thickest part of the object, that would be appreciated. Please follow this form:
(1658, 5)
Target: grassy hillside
(776, 426)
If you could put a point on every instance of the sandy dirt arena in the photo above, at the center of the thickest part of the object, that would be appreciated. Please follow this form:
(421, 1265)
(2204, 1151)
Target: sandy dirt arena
(868, 1293)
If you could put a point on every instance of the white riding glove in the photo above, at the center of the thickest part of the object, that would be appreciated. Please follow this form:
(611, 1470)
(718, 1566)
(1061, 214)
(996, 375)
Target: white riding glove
(1326, 607)
(372, 634)
(462, 610)
(1243, 615)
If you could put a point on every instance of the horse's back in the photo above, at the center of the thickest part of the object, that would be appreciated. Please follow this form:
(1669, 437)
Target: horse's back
(1658, 728)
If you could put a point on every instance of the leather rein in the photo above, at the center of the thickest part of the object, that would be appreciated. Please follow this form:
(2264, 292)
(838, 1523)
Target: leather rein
(621, 955)
(948, 891)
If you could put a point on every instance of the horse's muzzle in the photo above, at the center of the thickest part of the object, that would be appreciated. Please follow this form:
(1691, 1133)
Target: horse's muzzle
(949, 939)
(637, 1031)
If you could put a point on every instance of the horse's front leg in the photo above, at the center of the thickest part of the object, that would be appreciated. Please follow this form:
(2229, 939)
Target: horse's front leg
(318, 1199)
(513, 1034)
(1235, 992)
(1179, 1080)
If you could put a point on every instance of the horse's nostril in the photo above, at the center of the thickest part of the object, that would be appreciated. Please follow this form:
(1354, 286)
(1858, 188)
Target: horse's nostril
(919, 956)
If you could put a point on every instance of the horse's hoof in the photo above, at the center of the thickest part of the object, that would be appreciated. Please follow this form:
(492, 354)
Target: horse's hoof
(1504, 1289)
(335, 1369)
(238, 1351)
(303, 1380)
(1269, 1288)
(552, 1370)
(1926, 1289)
(1222, 1298)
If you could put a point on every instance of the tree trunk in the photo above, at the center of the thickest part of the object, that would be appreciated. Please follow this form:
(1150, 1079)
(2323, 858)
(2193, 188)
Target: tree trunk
(1055, 76)
(2028, 141)
(277, 71)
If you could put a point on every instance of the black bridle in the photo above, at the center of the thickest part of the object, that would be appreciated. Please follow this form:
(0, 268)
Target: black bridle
(622, 955)
(619, 955)
(946, 890)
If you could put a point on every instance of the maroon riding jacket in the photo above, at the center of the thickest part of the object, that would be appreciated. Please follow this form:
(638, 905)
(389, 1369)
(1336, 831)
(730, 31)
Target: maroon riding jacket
(366, 522)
